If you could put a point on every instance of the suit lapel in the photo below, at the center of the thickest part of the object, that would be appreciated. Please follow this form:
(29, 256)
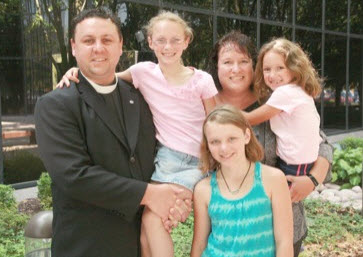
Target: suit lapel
(93, 99)
(131, 109)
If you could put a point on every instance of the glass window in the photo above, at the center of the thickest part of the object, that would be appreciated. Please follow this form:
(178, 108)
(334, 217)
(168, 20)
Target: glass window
(225, 25)
(277, 10)
(269, 32)
(335, 69)
(197, 53)
(311, 44)
(336, 15)
(195, 3)
(355, 84)
(309, 13)
(356, 17)
(243, 7)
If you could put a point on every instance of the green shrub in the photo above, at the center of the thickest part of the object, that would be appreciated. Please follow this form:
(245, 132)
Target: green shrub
(22, 166)
(11, 225)
(351, 142)
(347, 166)
(45, 191)
(183, 236)
(7, 199)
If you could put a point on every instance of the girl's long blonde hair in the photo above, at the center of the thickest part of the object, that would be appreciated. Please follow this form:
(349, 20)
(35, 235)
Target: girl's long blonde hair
(169, 16)
(228, 114)
(296, 60)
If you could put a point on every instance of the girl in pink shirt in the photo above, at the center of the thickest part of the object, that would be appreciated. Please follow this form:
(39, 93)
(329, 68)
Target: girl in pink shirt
(285, 74)
(179, 98)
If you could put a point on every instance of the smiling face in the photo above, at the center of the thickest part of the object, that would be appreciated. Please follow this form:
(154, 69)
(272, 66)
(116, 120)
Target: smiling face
(97, 48)
(226, 142)
(168, 40)
(275, 72)
(235, 69)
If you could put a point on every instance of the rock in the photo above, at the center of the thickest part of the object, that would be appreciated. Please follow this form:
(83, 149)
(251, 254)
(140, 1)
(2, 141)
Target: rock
(320, 188)
(313, 195)
(346, 193)
(357, 196)
(332, 186)
(30, 206)
(328, 193)
(357, 205)
(334, 199)
(357, 189)
(346, 204)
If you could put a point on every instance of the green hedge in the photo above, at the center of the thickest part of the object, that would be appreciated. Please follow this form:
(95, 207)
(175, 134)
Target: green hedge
(22, 166)
(11, 225)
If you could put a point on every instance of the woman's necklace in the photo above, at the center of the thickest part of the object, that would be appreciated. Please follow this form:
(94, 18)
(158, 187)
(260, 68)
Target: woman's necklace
(234, 192)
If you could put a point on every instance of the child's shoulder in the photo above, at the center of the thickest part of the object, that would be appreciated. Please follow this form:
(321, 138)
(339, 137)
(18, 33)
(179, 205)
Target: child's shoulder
(272, 173)
(144, 65)
(203, 186)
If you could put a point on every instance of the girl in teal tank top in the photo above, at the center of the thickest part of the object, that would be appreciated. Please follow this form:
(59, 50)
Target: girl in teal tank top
(243, 208)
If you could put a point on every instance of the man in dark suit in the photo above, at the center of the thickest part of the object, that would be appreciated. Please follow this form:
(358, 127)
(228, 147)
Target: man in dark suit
(97, 142)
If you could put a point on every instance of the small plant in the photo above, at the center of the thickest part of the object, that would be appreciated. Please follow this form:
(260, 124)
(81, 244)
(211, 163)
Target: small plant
(347, 163)
(11, 225)
(7, 199)
(183, 236)
(351, 142)
(45, 191)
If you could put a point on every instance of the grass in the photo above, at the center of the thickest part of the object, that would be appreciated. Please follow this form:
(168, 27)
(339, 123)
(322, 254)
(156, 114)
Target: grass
(333, 231)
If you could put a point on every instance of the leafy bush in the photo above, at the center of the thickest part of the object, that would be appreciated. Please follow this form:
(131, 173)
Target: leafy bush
(22, 166)
(45, 191)
(351, 142)
(347, 163)
(11, 225)
(7, 199)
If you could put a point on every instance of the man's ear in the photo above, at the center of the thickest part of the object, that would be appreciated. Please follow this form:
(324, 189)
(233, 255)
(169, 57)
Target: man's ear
(73, 47)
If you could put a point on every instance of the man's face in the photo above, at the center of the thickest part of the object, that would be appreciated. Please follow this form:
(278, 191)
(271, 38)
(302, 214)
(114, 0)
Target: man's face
(97, 48)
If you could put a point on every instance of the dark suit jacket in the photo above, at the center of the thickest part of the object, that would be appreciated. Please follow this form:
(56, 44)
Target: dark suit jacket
(98, 175)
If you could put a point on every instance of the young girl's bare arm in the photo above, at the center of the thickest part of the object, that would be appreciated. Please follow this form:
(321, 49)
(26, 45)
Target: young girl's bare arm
(201, 218)
(72, 75)
(276, 185)
(125, 75)
(209, 104)
(261, 114)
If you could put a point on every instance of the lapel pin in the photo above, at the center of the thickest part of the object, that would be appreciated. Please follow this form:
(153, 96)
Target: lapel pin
(131, 101)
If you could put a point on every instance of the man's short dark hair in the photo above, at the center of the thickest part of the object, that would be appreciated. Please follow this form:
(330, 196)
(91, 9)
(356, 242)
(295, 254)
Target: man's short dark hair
(96, 13)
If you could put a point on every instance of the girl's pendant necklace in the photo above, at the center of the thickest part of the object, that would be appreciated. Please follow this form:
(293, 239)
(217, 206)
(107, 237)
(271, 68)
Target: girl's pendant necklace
(234, 192)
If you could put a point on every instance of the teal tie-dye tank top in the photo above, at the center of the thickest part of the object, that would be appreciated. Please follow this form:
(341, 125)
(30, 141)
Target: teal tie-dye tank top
(241, 227)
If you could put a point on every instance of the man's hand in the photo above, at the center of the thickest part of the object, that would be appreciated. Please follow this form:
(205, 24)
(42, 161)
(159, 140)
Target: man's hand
(161, 198)
(301, 187)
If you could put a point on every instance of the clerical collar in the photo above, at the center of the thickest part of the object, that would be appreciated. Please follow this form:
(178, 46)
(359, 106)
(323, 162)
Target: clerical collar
(102, 89)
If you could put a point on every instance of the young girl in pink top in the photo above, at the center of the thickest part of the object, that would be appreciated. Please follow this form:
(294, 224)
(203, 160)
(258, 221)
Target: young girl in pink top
(285, 74)
(179, 98)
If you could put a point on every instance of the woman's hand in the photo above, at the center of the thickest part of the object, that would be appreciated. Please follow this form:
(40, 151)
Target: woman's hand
(301, 187)
(71, 74)
(178, 213)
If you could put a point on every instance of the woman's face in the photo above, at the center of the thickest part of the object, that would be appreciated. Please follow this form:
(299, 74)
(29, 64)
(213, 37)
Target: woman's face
(235, 69)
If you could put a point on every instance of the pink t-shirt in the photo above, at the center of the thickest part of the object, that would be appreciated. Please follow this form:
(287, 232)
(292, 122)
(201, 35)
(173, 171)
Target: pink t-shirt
(178, 111)
(297, 126)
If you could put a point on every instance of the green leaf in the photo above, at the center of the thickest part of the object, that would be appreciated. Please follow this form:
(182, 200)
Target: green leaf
(343, 164)
(355, 180)
(346, 186)
(334, 176)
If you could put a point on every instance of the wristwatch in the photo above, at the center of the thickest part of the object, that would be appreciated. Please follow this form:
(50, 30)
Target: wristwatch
(313, 179)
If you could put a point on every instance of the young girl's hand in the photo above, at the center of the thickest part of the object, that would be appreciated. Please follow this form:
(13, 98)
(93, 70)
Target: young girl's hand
(300, 188)
(71, 74)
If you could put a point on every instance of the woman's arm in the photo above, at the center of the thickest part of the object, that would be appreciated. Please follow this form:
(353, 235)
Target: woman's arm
(261, 114)
(276, 184)
(201, 218)
(302, 186)
(209, 104)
